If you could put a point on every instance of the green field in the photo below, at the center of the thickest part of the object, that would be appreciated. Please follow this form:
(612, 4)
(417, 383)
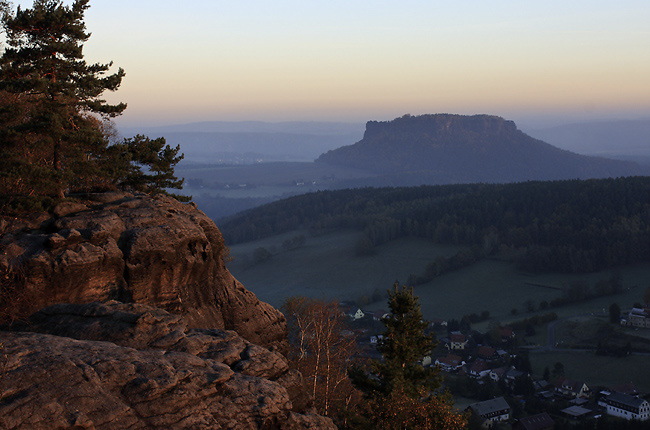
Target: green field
(596, 370)
(326, 267)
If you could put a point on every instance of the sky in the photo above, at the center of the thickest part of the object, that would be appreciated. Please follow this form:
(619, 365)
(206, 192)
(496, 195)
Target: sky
(541, 63)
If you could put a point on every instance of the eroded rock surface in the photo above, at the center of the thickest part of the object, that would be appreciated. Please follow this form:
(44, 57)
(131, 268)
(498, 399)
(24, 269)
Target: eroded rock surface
(116, 365)
(134, 248)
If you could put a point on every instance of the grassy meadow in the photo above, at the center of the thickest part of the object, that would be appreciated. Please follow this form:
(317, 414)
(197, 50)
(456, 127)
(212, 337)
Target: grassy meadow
(327, 267)
(596, 370)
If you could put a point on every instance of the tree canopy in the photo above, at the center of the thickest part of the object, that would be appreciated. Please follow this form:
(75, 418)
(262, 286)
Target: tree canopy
(53, 119)
(566, 226)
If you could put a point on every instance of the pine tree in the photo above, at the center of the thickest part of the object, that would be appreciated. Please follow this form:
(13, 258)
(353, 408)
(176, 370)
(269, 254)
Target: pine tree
(51, 108)
(401, 393)
(404, 345)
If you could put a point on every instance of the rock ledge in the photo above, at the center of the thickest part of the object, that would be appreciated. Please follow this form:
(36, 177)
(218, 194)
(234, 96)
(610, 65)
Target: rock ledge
(116, 365)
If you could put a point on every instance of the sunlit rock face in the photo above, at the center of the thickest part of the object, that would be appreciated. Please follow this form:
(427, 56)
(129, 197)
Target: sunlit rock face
(116, 365)
(134, 248)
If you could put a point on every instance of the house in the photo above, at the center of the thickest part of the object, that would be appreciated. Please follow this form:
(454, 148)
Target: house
(541, 421)
(627, 388)
(638, 318)
(426, 360)
(507, 334)
(438, 322)
(571, 388)
(479, 369)
(450, 363)
(627, 407)
(542, 385)
(512, 374)
(378, 315)
(492, 411)
(355, 313)
(577, 412)
(497, 374)
(487, 353)
(457, 341)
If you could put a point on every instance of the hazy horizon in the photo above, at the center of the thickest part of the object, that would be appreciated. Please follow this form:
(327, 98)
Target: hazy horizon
(537, 63)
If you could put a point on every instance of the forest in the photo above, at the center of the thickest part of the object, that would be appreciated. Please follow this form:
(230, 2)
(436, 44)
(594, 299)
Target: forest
(571, 226)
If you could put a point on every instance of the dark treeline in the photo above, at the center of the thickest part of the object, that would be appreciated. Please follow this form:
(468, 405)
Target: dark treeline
(567, 226)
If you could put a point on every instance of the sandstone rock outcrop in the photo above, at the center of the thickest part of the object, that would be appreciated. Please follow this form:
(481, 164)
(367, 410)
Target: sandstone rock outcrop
(133, 248)
(116, 365)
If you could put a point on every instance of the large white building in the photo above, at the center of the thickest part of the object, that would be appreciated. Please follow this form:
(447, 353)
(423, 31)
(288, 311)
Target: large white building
(628, 407)
(492, 411)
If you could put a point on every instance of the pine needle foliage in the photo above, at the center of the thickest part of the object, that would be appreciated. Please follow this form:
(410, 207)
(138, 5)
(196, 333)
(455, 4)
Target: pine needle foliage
(401, 392)
(53, 115)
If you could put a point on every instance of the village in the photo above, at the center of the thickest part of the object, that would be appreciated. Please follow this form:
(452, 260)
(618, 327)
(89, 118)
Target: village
(491, 373)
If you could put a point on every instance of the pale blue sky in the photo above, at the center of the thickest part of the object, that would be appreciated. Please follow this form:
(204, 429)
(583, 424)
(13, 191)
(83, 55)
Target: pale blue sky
(199, 60)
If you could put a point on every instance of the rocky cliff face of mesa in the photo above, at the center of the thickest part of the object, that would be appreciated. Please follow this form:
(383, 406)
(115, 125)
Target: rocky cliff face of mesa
(131, 248)
(115, 365)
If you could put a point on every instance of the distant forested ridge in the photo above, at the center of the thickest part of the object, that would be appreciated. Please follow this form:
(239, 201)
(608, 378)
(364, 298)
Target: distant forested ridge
(446, 148)
(568, 226)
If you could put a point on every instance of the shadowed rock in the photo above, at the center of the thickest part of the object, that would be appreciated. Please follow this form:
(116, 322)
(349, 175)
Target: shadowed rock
(117, 365)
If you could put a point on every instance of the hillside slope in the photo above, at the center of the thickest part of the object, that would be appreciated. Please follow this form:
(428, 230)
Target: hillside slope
(447, 148)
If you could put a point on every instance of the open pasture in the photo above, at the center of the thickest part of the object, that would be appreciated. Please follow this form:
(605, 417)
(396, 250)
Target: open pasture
(594, 369)
(327, 267)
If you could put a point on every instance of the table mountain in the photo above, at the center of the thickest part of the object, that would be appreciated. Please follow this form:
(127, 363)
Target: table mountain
(446, 148)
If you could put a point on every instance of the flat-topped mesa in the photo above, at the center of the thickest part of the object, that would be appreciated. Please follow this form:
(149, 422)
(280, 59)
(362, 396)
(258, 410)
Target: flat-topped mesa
(436, 125)
(446, 148)
(134, 248)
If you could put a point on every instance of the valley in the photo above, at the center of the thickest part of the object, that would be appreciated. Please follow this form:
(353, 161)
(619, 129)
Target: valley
(326, 268)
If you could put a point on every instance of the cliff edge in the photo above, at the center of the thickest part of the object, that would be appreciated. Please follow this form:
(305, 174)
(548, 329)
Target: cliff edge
(131, 248)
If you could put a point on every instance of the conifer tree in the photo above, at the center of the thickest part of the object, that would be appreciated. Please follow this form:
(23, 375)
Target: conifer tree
(55, 129)
(51, 106)
(401, 392)
(404, 345)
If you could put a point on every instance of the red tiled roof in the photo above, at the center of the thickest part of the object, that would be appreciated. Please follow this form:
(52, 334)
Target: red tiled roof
(478, 366)
(486, 351)
(537, 422)
(506, 331)
(458, 338)
(628, 388)
(451, 360)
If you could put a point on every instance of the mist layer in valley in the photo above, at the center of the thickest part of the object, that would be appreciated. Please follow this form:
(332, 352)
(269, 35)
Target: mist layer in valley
(233, 166)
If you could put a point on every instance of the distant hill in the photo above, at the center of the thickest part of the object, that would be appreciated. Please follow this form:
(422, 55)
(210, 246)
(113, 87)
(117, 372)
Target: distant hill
(563, 226)
(447, 148)
(619, 138)
(249, 142)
